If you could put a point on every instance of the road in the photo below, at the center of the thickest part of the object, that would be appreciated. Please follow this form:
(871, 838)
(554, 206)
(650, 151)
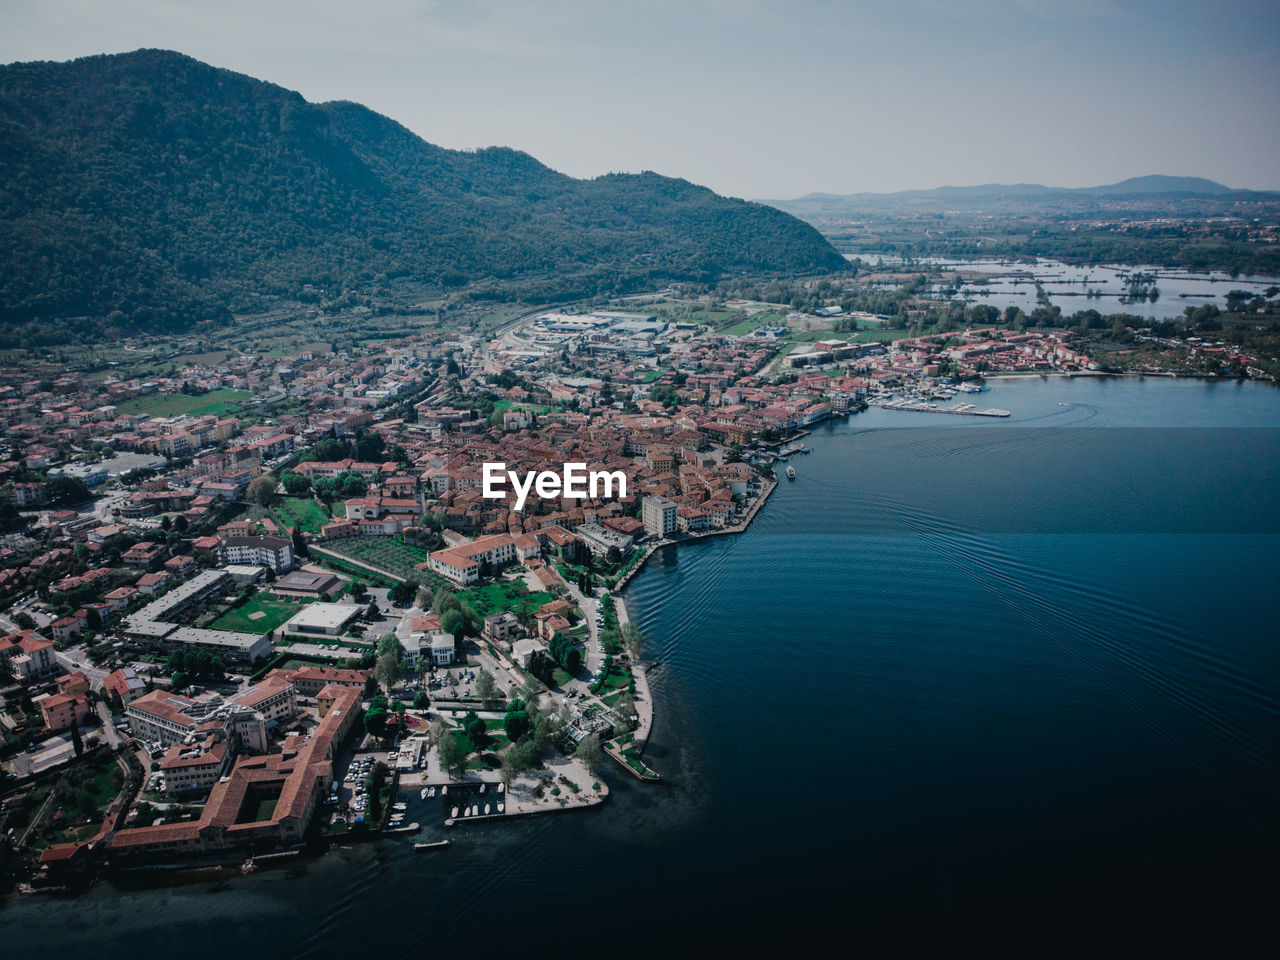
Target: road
(73, 659)
(589, 606)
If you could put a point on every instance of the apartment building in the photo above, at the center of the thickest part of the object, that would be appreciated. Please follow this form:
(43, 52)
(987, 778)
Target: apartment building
(660, 516)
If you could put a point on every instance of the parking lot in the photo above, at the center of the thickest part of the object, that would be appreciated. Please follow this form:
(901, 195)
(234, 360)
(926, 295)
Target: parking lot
(348, 794)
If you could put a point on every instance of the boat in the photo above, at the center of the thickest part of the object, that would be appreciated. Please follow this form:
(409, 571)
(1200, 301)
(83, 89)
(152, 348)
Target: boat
(791, 473)
(423, 794)
(399, 806)
(431, 846)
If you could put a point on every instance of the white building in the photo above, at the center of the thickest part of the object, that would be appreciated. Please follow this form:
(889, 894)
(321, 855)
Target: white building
(322, 619)
(659, 516)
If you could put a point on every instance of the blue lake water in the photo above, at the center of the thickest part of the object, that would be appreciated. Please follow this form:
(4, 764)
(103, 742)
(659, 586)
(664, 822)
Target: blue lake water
(999, 683)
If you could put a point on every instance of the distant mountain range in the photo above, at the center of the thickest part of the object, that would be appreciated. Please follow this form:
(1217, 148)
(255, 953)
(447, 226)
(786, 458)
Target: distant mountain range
(1154, 190)
(1134, 186)
(148, 190)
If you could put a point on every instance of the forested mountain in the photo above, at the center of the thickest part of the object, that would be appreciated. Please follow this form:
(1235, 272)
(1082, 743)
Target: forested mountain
(148, 190)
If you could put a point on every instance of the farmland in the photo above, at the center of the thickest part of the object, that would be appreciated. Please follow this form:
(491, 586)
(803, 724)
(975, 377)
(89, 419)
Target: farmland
(386, 553)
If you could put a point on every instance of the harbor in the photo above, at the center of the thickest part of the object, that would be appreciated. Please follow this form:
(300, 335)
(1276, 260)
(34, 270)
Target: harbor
(924, 405)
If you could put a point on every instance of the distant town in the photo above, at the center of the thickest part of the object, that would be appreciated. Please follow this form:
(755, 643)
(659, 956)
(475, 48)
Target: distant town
(256, 601)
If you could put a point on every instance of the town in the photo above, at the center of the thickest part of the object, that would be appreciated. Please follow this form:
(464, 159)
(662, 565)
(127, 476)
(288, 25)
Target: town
(264, 597)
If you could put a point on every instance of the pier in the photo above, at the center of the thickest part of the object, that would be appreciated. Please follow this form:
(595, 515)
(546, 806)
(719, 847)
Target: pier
(924, 406)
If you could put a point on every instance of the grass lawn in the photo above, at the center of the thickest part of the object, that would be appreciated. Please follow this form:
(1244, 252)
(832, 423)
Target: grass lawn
(618, 679)
(266, 807)
(879, 336)
(651, 375)
(513, 595)
(502, 406)
(274, 612)
(217, 402)
(743, 327)
(301, 512)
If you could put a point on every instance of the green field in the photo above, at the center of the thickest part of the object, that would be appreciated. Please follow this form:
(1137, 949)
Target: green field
(504, 595)
(743, 327)
(274, 612)
(301, 512)
(880, 336)
(216, 402)
(502, 406)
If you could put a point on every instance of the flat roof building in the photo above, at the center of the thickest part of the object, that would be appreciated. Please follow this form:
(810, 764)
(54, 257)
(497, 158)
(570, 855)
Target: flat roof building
(322, 619)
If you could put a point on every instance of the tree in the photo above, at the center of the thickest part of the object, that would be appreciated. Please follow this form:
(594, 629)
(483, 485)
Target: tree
(299, 542)
(375, 721)
(372, 611)
(387, 670)
(262, 491)
(421, 701)
(77, 744)
(358, 589)
(295, 484)
(67, 491)
(476, 730)
(390, 643)
(516, 722)
(613, 556)
(452, 621)
(508, 771)
(452, 754)
(486, 688)
(181, 523)
(402, 593)
(590, 752)
(633, 640)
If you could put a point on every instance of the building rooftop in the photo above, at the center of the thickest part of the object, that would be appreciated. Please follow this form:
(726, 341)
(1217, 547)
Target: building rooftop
(323, 616)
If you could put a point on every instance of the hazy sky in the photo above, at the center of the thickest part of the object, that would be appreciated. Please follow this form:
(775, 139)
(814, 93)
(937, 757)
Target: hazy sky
(756, 98)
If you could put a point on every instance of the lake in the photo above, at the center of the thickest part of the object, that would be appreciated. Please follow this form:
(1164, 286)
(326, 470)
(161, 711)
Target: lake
(1014, 285)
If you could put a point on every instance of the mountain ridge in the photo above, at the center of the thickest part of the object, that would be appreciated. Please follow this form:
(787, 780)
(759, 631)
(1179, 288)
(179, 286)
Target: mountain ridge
(149, 189)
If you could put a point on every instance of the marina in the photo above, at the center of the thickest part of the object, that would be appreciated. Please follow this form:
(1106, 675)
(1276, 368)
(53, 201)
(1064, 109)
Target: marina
(922, 405)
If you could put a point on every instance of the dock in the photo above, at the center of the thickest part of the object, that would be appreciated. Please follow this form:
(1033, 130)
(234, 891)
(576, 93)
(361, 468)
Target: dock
(925, 406)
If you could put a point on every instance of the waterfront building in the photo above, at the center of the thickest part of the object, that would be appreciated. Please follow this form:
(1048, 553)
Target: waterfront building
(660, 516)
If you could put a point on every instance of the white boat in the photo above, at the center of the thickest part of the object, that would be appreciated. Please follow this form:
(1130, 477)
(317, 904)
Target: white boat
(454, 813)
(482, 788)
(423, 794)
(399, 806)
(791, 473)
(502, 787)
(486, 808)
(501, 807)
